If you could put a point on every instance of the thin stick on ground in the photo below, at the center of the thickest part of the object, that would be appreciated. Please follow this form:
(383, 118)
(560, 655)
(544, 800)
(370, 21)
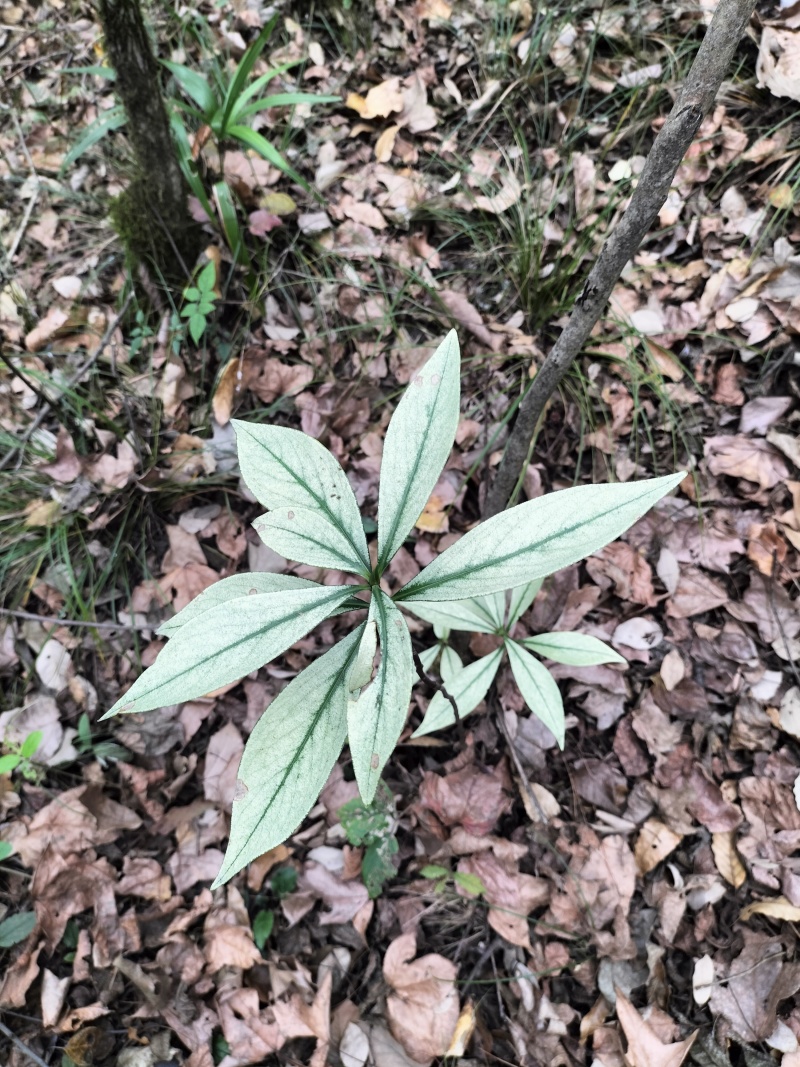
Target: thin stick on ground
(49, 620)
(693, 104)
(34, 1057)
(87, 364)
(439, 687)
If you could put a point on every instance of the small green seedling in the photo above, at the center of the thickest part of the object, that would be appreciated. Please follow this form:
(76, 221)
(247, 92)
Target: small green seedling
(199, 301)
(262, 927)
(225, 109)
(242, 622)
(103, 751)
(497, 614)
(20, 757)
(470, 883)
(140, 334)
(371, 827)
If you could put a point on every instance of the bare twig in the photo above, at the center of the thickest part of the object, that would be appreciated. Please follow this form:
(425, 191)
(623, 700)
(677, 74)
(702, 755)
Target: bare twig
(23, 1048)
(439, 687)
(87, 364)
(49, 620)
(702, 84)
(37, 185)
(526, 785)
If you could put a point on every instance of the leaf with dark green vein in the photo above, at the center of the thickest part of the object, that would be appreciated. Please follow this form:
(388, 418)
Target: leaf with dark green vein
(521, 599)
(289, 755)
(418, 442)
(306, 535)
(467, 688)
(238, 585)
(376, 719)
(538, 688)
(458, 615)
(227, 642)
(535, 539)
(284, 468)
(578, 650)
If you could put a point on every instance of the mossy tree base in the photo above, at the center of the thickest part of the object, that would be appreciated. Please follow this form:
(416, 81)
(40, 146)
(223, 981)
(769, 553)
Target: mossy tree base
(152, 215)
(168, 250)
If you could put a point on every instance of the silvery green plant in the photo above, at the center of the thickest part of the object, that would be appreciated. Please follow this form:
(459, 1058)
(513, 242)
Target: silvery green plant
(240, 623)
(497, 614)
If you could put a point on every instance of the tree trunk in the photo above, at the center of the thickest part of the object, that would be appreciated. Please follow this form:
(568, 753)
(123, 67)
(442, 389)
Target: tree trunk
(152, 215)
(702, 84)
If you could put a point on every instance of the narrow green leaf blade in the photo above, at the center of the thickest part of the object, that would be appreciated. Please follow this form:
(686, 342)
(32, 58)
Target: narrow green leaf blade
(538, 688)
(521, 599)
(467, 688)
(283, 100)
(243, 71)
(238, 585)
(194, 85)
(450, 665)
(260, 144)
(578, 650)
(226, 207)
(109, 120)
(257, 85)
(535, 539)
(418, 442)
(306, 535)
(284, 467)
(460, 615)
(226, 643)
(376, 719)
(289, 755)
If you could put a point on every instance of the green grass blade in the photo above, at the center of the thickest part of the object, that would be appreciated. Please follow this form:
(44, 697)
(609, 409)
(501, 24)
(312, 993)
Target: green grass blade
(110, 120)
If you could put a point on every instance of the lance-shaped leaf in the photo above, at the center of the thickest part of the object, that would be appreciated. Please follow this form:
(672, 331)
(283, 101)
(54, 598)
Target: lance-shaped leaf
(226, 643)
(306, 535)
(538, 688)
(460, 615)
(284, 468)
(289, 755)
(521, 599)
(535, 539)
(467, 688)
(449, 665)
(376, 719)
(361, 671)
(494, 607)
(238, 585)
(428, 656)
(418, 442)
(578, 650)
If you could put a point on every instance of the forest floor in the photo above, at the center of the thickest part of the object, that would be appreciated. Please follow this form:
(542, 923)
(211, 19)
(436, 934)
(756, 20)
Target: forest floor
(629, 900)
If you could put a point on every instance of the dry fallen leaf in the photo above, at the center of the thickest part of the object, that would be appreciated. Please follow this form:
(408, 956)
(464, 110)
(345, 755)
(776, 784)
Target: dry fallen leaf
(723, 846)
(655, 842)
(645, 1048)
(778, 63)
(380, 101)
(776, 908)
(423, 1007)
(703, 980)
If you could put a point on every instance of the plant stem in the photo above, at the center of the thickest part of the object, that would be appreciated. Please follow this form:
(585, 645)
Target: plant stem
(694, 102)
